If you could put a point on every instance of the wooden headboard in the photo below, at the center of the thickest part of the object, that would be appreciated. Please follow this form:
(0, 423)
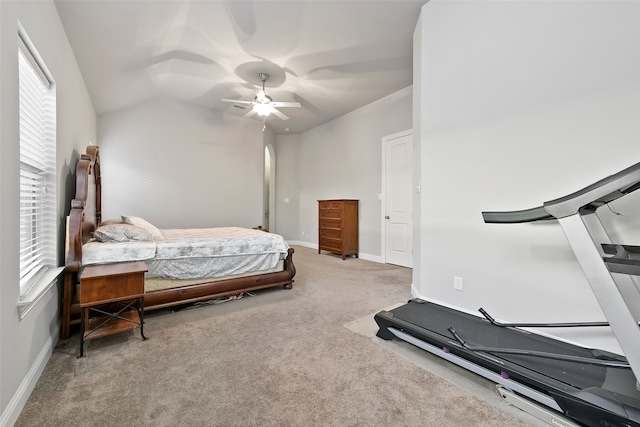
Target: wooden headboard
(79, 228)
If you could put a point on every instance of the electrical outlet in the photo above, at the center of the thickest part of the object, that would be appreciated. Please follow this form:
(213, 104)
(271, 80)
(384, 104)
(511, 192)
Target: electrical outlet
(303, 234)
(457, 283)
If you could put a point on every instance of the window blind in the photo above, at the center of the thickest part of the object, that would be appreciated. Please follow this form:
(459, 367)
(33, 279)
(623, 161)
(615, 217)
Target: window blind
(37, 171)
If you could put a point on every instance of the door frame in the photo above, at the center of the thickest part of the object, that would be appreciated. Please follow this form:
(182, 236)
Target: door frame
(383, 195)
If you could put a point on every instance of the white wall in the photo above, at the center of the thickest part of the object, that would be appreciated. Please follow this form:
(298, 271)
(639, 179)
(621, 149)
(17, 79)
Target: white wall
(341, 159)
(180, 166)
(25, 345)
(287, 187)
(519, 103)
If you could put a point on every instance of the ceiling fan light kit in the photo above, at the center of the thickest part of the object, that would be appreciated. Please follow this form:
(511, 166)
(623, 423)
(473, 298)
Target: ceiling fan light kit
(262, 109)
(263, 105)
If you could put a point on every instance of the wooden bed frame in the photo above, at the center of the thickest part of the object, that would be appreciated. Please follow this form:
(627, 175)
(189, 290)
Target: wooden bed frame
(80, 230)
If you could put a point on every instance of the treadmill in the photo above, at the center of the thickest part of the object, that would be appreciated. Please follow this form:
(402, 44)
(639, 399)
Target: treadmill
(558, 382)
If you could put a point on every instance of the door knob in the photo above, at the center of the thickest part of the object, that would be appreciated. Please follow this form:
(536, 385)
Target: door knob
(386, 217)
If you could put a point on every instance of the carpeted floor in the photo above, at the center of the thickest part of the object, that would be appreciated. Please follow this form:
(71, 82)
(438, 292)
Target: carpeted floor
(279, 358)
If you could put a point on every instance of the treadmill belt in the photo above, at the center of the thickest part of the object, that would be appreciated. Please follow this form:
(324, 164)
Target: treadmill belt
(477, 331)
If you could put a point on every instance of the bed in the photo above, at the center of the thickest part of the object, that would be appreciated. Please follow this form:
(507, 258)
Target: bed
(185, 265)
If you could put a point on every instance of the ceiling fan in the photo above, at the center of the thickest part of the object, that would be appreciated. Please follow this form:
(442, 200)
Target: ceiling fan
(263, 105)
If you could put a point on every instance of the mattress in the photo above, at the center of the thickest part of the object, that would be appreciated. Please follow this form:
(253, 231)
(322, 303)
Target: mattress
(95, 252)
(195, 253)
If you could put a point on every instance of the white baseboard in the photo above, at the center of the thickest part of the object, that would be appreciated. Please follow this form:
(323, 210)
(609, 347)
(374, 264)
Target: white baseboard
(301, 243)
(373, 258)
(367, 257)
(16, 404)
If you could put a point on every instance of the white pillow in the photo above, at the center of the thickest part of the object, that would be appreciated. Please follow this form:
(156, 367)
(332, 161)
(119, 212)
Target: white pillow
(121, 233)
(139, 222)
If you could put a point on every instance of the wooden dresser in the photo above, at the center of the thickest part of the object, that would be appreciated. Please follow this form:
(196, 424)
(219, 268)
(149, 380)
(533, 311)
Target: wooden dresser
(338, 227)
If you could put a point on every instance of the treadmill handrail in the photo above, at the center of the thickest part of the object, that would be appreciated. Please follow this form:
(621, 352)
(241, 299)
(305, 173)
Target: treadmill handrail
(514, 217)
(596, 195)
(586, 200)
(542, 354)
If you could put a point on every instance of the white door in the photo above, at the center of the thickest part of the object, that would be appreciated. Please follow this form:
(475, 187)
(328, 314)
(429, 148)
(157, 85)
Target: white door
(398, 202)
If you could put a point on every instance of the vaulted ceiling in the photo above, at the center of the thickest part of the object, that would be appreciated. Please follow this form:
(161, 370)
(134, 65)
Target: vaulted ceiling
(331, 56)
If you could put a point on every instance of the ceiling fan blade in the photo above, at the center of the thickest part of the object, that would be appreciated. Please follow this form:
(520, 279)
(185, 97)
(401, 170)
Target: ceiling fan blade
(250, 113)
(237, 101)
(286, 104)
(279, 114)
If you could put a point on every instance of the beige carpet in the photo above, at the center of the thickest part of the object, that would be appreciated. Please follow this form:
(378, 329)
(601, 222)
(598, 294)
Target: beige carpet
(279, 358)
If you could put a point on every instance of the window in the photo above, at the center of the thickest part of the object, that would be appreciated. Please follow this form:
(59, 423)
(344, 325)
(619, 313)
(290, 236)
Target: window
(38, 252)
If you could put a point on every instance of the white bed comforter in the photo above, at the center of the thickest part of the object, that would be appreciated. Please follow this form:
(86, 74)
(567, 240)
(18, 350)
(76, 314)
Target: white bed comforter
(214, 242)
(196, 252)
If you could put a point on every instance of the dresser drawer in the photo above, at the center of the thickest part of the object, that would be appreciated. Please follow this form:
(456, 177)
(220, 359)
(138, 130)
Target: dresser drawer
(330, 204)
(332, 233)
(330, 213)
(331, 245)
(331, 223)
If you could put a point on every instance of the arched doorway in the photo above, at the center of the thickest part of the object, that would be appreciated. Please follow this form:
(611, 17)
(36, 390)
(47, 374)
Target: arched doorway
(269, 199)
